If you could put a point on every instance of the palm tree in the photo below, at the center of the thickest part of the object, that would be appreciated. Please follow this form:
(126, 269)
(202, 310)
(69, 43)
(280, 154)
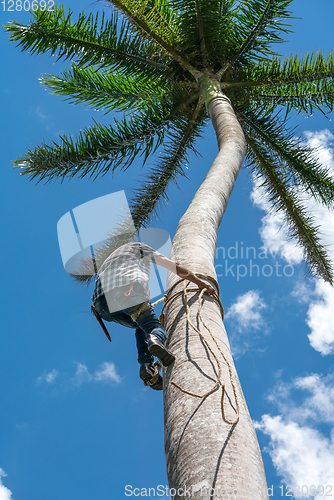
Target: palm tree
(171, 66)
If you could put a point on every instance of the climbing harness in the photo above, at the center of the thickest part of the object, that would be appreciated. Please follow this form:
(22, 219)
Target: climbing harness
(167, 299)
(141, 309)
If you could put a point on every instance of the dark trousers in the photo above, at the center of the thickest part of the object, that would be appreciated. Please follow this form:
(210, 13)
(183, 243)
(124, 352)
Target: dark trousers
(146, 323)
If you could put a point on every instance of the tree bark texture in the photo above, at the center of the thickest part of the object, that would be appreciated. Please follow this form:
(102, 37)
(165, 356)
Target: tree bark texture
(207, 459)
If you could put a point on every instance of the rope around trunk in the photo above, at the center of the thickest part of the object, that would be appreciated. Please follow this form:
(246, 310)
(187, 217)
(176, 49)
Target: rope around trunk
(216, 297)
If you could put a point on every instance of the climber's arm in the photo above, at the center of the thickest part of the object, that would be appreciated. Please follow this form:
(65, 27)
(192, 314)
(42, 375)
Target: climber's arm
(183, 272)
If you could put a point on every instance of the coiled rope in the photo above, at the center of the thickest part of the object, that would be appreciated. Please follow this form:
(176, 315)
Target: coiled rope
(167, 299)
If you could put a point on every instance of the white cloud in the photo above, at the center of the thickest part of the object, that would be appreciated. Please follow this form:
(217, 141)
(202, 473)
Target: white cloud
(107, 372)
(320, 316)
(302, 454)
(303, 292)
(320, 319)
(5, 493)
(49, 378)
(245, 317)
(82, 375)
(37, 112)
(273, 233)
(322, 140)
(319, 405)
(23, 426)
(321, 402)
(246, 311)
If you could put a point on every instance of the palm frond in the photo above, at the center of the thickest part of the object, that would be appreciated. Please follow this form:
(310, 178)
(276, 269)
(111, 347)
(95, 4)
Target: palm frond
(99, 148)
(263, 20)
(95, 150)
(301, 83)
(292, 70)
(202, 44)
(88, 41)
(307, 98)
(207, 30)
(283, 199)
(297, 162)
(182, 136)
(105, 89)
(151, 18)
(136, 13)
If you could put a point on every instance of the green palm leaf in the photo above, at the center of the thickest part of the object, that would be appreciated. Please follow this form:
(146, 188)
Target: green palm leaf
(297, 162)
(182, 136)
(304, 84)
(136, 13)
(207, 29)
(157, 16)
(283, 71)
(105, 89)
(283, 199)
(309, 101)
(99, 148)
(263, 20)
(95, 150)
(88, 41)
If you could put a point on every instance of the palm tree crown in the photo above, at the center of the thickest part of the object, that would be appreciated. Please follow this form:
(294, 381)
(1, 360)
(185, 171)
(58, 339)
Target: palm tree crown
(161, 65)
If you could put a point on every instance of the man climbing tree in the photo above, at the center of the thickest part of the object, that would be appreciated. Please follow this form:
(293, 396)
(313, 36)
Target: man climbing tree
(122, 295)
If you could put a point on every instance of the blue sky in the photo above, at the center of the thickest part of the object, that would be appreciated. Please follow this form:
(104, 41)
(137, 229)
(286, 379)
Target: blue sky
(75, 420)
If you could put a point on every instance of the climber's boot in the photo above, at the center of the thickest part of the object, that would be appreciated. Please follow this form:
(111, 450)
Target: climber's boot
(156, 348)
(149, 373)
(157, 386)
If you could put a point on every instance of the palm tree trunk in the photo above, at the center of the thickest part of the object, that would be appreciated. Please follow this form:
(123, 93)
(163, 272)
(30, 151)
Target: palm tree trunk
(206, 456)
